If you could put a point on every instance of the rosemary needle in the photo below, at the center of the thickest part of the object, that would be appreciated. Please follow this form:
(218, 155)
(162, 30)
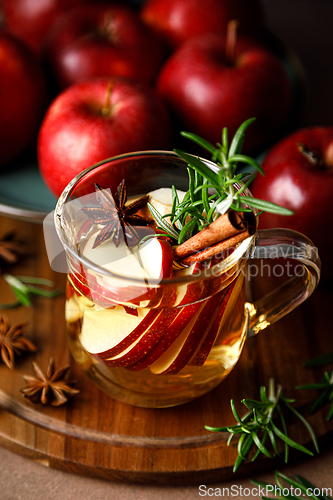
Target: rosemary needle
(265, 422)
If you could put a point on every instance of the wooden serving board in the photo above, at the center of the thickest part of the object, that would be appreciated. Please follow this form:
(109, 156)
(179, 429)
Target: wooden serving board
(96, 435)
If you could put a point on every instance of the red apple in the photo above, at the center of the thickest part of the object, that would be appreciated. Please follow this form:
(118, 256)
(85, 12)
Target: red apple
(31, 20)
(90, 121)
(179, 20)
(207, 88)
(22, 97)
(299, 176)
(99, 40)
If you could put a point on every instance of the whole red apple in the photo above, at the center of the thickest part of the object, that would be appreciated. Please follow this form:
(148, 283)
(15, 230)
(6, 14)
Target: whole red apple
(22, 96)
(207, 89)
(100, 40)
(179, 20)
(31, 20)
(97, 119)
(299, 176)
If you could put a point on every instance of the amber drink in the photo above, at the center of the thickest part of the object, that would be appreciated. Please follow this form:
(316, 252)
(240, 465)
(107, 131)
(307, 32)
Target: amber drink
(159, 341)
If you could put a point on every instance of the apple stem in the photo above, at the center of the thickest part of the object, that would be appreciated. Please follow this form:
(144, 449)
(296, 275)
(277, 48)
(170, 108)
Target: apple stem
(312, 156)
(108, 28)
(231, 40)
(106, 109)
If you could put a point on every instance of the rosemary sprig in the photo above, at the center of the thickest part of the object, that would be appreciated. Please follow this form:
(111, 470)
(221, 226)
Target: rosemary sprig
(324, 359)
(299, 488)
(210, 193)
(325, 387)
(24, 291)
(261, 423)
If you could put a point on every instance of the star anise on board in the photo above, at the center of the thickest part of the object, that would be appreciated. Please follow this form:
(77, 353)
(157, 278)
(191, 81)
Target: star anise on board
(10, 249)
(117, 220)
(11, 341)
(52, 388)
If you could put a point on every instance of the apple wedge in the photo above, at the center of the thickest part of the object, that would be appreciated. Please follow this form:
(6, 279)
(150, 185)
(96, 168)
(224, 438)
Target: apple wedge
(180, 295)
(145, 342)
(109, 331)
(179, 337)
(180, 322)
(224, 311)
(204, 349)
(154, 254)
(180, 352)
(73, 312)
(156, 257)
(161, 199)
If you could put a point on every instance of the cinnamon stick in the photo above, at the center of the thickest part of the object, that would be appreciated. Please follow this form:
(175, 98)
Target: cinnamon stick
(223, 228)
(216, 249)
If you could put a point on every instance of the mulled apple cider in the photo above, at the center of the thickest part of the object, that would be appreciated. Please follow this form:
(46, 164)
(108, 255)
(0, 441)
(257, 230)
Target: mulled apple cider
(156, 250)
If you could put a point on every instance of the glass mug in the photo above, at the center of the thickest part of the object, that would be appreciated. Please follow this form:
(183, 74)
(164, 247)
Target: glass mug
(160, 343)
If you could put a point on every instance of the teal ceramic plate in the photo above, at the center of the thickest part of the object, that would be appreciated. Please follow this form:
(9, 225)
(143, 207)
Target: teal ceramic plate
(24, 195)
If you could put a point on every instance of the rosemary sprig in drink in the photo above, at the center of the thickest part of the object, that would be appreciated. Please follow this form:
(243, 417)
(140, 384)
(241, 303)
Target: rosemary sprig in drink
(210, 193)
(261, 422)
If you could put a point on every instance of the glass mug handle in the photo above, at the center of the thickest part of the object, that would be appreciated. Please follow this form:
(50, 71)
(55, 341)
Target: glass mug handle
(285, 243)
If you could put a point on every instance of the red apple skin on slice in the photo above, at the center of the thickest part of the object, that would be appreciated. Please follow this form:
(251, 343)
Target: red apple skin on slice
(190, 291)
(153, 260)
(156, 257)
(144, 343)
(181, 295)
(131, 337)
(104, 296)
(193, 339)
(96, 293)
(180, 321)
(201, 355)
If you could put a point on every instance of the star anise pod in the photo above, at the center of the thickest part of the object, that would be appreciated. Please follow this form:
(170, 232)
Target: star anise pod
(117, 220)
(11, 341)
(51, 388)
(10, 250)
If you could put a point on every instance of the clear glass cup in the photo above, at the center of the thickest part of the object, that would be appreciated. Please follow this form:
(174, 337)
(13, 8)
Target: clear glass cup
(177, 337)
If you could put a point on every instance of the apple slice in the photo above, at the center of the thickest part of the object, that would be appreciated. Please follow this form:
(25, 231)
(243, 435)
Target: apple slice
(180, 353)
(166, 359)
(116, 259)
(109, 331)
(180, 321)
(156, 258)
(179, 295)
(73, 312)
(229, 300)
(161, 199)
(143, 344)
(122, 262)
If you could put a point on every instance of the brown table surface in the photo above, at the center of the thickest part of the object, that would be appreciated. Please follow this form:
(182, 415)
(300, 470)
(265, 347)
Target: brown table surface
(304, 25)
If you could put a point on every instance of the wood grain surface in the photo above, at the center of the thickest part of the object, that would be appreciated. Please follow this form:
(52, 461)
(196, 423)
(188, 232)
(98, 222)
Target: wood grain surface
(96, 435)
